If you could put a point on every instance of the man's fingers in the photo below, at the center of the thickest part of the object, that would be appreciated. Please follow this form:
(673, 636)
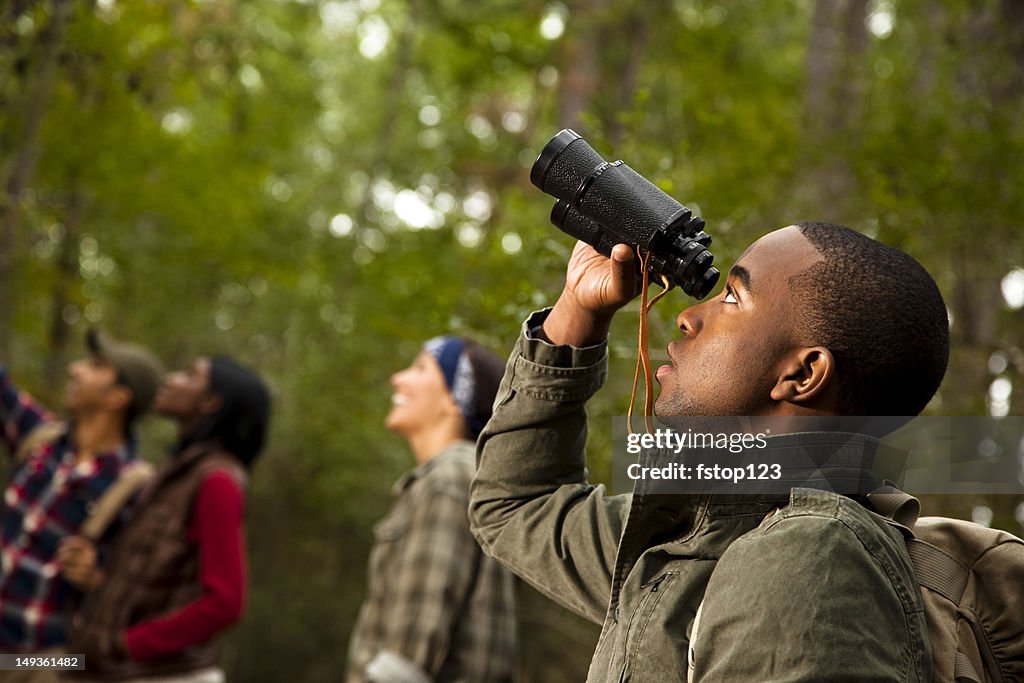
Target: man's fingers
(74, 551)
(75, 542)
(621, 253)
(623, 271)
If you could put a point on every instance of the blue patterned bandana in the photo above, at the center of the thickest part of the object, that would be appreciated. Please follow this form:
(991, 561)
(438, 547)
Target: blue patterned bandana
(458, 376)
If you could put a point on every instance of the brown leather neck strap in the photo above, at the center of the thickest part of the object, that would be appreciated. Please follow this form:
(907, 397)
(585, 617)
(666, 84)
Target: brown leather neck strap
(643, 358)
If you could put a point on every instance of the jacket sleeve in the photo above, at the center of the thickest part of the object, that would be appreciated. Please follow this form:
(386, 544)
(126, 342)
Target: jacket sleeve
(531, 506)
(19, 413)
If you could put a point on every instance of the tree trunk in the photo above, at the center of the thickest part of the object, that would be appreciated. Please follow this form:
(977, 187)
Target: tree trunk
(833, 98)
(392, 105)
(67, 276)
(581, 63)
(634, 33)
(18, 175)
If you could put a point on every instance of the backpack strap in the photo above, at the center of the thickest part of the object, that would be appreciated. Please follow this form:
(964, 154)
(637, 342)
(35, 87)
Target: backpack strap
(129, 482)
(894, 504)
(963, 670)
(45, 432)
(938, 570)
(934, 568)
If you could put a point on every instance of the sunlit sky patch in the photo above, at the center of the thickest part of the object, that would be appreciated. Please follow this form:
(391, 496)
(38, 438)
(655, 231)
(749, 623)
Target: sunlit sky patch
(374, 36)
(882, 19)
(552, 26)
(340, 225)
(413, 210)
(1013, 289)
(177, 121)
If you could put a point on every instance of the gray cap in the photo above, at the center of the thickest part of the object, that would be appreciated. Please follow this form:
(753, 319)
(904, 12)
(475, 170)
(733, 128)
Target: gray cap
(137, 367)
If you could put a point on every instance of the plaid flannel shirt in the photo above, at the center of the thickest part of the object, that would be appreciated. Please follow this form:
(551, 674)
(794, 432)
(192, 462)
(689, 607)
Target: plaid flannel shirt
(435, 604)
(48, 498)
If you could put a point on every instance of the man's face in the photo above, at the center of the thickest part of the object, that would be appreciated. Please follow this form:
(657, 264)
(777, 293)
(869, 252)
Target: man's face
(732, 350)
(92, 386)
(185, 394)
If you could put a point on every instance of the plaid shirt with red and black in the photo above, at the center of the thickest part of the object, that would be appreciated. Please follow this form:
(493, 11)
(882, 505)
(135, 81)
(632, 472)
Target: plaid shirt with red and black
(48, 498)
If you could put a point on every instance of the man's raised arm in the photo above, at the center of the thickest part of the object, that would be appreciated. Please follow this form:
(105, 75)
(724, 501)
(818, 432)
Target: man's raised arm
(20, 414)
(531, 506)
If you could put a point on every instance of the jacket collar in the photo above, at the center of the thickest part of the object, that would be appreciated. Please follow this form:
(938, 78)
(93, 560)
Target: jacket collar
(452, 451)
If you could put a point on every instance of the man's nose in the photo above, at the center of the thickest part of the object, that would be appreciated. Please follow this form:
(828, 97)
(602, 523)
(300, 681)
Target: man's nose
(690, 320)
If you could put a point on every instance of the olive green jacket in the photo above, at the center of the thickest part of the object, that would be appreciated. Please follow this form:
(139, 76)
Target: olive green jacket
(809, 587)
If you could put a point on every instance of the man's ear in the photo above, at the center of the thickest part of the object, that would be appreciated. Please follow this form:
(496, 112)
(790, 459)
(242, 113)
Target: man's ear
(119, 397)
(210, 403)
(806, 376)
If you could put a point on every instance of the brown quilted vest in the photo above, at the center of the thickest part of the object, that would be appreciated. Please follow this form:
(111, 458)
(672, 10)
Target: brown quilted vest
(153, 570)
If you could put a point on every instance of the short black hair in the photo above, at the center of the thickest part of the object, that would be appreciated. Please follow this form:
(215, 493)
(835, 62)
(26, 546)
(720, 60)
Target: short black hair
(880, 314)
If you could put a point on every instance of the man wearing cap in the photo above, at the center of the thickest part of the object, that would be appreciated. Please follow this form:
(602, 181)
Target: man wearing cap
(436, 608)
(59, 471)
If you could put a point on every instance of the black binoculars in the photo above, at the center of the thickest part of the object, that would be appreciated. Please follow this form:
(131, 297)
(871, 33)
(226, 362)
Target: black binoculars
(607, 203)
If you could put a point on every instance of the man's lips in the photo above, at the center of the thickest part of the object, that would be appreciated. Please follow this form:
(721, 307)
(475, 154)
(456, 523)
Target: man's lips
(666, 370)
(662, 371)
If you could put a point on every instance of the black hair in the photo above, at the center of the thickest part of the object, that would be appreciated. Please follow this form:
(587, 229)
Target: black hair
(488, 369)
(240, 423)
(880, 314)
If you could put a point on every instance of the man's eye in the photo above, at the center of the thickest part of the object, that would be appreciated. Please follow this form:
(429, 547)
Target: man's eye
(730, 298)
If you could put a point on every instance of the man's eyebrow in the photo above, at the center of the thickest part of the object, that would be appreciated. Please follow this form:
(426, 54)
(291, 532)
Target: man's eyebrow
(743, 275)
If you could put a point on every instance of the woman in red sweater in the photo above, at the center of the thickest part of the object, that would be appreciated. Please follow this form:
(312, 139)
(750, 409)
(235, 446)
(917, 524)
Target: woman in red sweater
(176, 576)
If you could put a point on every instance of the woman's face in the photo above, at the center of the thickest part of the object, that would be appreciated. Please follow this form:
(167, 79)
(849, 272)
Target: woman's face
(185, 394)
(421, 397)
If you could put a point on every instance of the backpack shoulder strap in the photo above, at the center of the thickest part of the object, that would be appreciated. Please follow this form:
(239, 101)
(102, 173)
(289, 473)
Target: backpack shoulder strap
(934, 568)
(44, 432)
(938, 570)
(117, 495)
(894, 504)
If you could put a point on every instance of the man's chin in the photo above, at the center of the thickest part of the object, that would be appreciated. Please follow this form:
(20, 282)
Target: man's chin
(69, 401)
(675, 414)
(667, 413)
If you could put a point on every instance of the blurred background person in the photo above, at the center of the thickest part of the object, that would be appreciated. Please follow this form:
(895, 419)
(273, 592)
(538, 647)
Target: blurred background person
(59, 470)
(436, 608)
(177, 575)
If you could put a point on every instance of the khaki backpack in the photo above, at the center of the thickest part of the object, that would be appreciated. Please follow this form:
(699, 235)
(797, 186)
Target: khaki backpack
(972, 587)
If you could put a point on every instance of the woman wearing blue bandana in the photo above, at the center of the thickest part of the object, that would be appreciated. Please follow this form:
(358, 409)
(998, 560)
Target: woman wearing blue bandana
(436, 608)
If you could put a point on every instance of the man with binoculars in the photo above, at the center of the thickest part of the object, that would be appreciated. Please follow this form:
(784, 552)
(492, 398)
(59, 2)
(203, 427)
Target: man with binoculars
(815, 320)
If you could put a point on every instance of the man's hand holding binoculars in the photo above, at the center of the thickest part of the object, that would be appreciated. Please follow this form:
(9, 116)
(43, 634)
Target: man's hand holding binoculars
(595, 288)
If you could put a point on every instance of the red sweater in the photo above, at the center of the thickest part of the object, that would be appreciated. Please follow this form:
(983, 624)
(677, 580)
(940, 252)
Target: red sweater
(217, 528)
